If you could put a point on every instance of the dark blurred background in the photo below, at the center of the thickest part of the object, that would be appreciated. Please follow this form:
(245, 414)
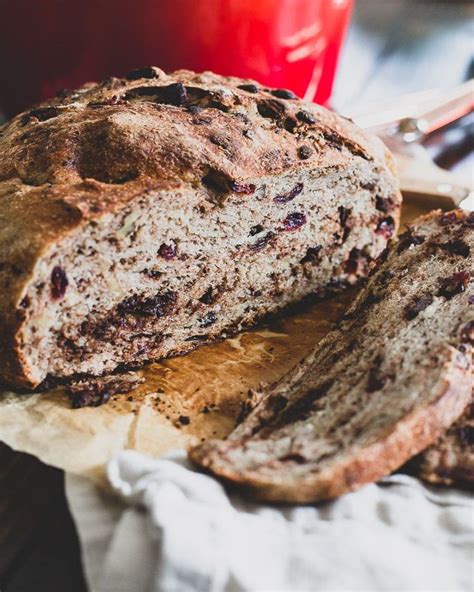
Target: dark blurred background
(393, 47)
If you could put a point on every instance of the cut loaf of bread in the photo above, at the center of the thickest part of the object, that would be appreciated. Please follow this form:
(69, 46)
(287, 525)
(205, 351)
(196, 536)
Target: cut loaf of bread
(141, 217)
(377, 390)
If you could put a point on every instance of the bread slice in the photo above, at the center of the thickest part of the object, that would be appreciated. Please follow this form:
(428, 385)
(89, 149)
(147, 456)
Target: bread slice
(376, 391)
(144, 216)
(450, 461)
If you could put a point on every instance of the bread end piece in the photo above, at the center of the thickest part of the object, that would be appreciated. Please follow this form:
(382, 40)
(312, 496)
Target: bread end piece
(409, 437)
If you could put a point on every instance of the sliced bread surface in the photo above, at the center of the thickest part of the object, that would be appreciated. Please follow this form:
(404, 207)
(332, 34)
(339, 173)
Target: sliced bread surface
(144, 216)
(376, 391)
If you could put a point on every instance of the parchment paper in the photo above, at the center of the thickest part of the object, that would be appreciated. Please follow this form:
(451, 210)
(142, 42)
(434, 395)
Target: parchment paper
(206, 388)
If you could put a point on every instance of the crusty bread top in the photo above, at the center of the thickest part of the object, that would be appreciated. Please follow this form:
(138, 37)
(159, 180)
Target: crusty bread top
(93, 150)
(172, 129)
(376, 391)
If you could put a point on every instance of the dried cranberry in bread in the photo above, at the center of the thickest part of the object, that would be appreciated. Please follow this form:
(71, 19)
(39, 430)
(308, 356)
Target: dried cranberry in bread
(377, 390)
(144, 216)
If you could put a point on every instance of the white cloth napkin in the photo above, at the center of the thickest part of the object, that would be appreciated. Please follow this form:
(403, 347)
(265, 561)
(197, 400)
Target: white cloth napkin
(171, 529)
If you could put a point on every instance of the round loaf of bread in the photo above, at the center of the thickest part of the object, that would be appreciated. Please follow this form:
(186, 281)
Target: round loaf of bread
(141, 217)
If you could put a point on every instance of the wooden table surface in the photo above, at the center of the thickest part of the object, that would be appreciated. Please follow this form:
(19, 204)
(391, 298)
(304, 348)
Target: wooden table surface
(394, 46)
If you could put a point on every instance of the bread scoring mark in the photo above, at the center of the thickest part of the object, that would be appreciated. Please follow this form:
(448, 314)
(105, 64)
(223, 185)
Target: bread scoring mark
(171, 94)
(41, 114)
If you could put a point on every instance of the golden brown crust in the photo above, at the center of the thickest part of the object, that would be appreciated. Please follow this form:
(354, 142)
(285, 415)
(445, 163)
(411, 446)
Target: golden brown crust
(75, 158)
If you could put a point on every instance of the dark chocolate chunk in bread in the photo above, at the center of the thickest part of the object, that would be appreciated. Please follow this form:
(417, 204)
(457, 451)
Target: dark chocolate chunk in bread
(120, 194)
